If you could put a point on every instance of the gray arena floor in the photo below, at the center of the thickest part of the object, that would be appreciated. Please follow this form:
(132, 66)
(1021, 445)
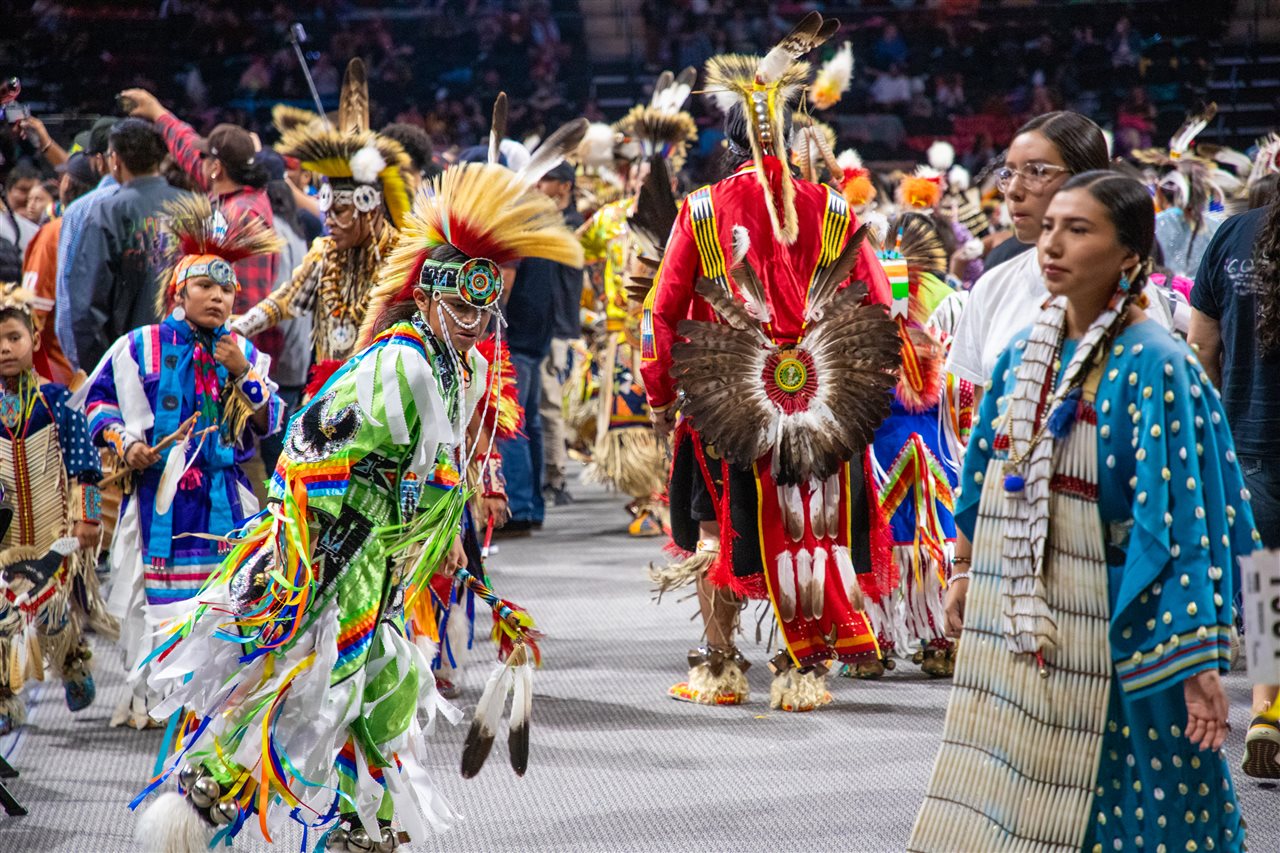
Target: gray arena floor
(615, 764)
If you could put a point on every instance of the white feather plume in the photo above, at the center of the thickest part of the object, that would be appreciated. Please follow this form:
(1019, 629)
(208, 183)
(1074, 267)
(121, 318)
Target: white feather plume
(941, 155)
(958, 178)
(819, 581)
(804, 582)
(596, 148)
(834, 77)
(849, 159)
(741, 244)
(366, 164)
(786, 586)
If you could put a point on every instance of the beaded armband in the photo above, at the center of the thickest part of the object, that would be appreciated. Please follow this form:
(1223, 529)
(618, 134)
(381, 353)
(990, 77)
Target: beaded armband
(116, 439)
(259, 318)
(253, 389)
(492, 483)
(86, 503)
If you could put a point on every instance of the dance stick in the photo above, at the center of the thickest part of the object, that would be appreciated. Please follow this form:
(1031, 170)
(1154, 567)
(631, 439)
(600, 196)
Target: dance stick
(164, 443)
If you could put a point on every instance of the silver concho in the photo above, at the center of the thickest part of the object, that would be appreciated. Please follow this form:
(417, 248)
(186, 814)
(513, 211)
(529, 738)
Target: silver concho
(342, 336)
(324, 197)
(366, 198)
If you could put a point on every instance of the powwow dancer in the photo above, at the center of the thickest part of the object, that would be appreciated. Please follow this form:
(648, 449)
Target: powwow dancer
(294, 661)
(180, 404)
(627, 454)
(915, 472)
(364, 202)
(1107, 512)
(769, 495)
(49, 528)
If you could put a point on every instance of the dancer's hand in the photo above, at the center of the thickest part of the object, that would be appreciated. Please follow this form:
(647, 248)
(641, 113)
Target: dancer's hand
(495, 510)
(87, 533)
(139, 456)
(228, 353)
(956, 593)
(1206, 709)
(664, 421)
(455, 559)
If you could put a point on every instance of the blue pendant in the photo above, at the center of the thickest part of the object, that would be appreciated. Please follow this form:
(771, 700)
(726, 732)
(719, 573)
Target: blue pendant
(1014, 483)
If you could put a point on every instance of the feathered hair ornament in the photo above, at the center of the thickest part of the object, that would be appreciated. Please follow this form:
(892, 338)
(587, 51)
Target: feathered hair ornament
(1266, 161)
(763, 88)
(855, 179)
(833, 79)
(1180, 143)
(286, 118)
(206, 242)
(16, 298)
(915, 261)
(363, 167)
(662, 127)
(813, 148)
(922, 190)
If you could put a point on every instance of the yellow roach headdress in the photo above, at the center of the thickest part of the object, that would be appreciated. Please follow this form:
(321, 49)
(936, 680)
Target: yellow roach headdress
(662, 127)
(206, 242)
(363, 167)
(466, 224)
(763, 88)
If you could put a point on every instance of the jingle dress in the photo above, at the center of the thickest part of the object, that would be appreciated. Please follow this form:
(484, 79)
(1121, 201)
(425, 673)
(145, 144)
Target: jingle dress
(1093, 755)
(304, 625)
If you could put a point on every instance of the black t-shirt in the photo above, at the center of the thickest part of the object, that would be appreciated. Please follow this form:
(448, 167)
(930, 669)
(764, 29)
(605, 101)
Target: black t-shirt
(1226, 290)
(1008, 250)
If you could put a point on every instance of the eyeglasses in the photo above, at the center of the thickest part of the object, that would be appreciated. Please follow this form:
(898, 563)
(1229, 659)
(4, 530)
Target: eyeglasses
(1034, 176)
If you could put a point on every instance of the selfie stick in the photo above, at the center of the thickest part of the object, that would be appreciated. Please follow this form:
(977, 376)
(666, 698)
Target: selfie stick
(297, 35)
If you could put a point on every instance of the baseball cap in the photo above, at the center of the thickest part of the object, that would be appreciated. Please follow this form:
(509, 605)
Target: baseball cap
(563, 173)
(231, 144)
(98, 135)
(78, 167)
(273, 163)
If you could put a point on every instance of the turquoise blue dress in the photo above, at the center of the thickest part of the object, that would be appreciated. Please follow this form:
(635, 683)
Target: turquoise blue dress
(1176, 510)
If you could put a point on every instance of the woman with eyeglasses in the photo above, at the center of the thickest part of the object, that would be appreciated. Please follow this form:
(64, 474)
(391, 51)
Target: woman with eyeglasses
(1044, 153)
(1107, 510)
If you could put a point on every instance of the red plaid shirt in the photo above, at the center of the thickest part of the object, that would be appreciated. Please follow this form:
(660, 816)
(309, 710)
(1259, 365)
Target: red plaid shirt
(257, 275)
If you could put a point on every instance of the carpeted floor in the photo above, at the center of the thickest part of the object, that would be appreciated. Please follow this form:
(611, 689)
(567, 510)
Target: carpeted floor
(615, 764)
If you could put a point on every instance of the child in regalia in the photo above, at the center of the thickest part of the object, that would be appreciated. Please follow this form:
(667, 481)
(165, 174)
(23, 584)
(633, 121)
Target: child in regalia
(181, 404)
(49, 517)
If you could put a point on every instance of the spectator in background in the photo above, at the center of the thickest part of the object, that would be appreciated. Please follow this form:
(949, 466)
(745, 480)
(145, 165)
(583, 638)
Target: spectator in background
(530, 313)
(889, 50)
(256, 78)
(74, 219)
(40, 269)
(1135, 121)
(1235, 325)
(22, 179)
(949, 94)
(290, 368)
(565, 328)
(891, 89)
(40, 202)
(224, 166)
(116, 266)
